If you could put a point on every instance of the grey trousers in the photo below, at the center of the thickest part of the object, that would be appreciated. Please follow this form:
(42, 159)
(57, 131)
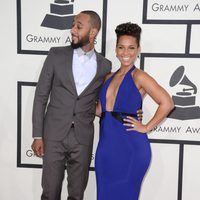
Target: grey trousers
(72, 156)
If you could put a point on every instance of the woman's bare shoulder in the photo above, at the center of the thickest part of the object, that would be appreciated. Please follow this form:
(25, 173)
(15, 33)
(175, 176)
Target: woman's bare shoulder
(139, 74)
(108, 76)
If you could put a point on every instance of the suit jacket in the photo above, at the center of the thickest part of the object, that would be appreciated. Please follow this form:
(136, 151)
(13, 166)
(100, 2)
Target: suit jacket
(56, 88)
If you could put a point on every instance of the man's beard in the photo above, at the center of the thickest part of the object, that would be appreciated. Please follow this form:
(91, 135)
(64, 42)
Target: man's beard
(84, 41)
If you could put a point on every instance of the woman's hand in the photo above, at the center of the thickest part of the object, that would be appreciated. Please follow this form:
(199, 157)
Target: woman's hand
(134, 125)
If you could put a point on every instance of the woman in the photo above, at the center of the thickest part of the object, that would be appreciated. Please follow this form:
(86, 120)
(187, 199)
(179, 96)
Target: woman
(123, 153)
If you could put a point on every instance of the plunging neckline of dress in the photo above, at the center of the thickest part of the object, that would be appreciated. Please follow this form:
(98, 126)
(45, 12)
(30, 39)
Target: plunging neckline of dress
(111, 78)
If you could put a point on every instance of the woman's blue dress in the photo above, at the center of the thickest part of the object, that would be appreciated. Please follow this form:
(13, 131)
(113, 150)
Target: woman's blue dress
(122, 157)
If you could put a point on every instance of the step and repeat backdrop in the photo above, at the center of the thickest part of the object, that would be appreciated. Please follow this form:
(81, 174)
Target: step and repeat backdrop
(170, 52)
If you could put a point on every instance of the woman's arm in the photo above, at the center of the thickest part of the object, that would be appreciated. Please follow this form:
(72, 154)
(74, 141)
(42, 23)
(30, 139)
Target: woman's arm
(98, 104)
(98, 109)
(159, 95)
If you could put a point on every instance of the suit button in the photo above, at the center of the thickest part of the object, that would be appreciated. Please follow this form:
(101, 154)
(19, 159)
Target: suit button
(78, 98)
(74, 114)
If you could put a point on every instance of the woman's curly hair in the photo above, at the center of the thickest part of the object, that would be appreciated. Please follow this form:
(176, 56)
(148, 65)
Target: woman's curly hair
(129, 29)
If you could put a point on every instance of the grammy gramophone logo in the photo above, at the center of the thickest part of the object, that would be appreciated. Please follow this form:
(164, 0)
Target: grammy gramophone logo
(61, 15)
(185, 99)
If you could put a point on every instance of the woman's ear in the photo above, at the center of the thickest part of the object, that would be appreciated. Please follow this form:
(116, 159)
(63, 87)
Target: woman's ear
(116, 51)
(139, 51)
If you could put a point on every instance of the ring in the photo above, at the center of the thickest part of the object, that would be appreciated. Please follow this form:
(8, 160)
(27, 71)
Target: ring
(132, 125)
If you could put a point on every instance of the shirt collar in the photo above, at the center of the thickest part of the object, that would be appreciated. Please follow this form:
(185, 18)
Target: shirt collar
(80, 52)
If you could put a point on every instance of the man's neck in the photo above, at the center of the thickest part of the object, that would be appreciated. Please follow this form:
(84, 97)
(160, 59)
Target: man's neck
(87, 47)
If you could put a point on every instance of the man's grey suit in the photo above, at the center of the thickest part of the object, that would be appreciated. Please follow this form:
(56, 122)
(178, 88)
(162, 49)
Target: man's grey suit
(53, 122)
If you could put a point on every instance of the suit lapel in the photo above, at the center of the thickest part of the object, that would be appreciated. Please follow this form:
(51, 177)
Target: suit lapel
(68, 61)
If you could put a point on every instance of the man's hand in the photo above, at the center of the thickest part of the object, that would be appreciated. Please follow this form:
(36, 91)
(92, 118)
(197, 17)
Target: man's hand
(38, 147)
(140, 114)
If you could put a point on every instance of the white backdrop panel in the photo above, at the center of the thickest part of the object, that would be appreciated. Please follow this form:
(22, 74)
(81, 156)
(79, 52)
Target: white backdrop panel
(157, 38)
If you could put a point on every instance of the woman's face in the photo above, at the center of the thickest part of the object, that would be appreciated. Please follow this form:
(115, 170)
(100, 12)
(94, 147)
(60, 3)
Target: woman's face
(127, 50)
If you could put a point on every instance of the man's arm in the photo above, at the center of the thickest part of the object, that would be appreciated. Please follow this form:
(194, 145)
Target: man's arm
(42, 92)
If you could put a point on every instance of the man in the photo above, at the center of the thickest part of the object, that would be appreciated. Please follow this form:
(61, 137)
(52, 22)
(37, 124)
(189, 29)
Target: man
(63, 130)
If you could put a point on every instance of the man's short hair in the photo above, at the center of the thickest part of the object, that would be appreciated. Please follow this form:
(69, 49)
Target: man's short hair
(94, 18)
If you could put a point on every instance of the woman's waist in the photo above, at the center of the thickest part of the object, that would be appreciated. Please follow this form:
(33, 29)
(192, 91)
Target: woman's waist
(120, 116)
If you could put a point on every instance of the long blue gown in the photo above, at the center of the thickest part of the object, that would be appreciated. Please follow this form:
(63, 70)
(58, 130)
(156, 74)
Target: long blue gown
(122, 157)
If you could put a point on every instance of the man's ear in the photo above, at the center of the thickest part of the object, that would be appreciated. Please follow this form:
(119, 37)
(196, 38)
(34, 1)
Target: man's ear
(94, 32)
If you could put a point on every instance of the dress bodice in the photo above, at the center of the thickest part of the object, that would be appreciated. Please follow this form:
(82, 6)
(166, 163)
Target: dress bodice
(128, 98)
